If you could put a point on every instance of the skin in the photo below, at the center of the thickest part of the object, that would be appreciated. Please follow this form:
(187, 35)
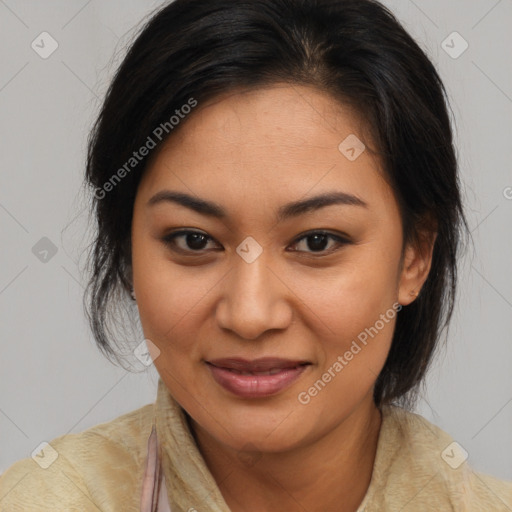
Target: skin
(252, 152)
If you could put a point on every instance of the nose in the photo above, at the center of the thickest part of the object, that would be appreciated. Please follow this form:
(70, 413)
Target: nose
(254, 299)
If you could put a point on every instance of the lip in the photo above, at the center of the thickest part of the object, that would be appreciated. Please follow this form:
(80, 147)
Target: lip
(227, 373)
(261, 364)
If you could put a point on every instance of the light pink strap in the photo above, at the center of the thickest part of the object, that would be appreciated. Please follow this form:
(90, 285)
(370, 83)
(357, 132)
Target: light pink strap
(163, 501)
(151, 499)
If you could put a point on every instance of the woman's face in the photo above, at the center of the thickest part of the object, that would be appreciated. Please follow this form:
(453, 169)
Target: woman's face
(258, 280)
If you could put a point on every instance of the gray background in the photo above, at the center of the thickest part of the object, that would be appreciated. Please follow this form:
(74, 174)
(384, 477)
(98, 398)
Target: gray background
(54, 381)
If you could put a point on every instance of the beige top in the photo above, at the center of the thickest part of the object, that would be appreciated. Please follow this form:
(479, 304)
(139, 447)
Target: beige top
(418, 467)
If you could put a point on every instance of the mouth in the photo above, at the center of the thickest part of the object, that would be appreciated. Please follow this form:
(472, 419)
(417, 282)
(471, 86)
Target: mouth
(262, 366)
(257, 378)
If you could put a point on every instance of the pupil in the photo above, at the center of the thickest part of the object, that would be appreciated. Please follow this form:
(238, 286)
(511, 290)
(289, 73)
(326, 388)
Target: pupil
(317, 246)
(192, 240)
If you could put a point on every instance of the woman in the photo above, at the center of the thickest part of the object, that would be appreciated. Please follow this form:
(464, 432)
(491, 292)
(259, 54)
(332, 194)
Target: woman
(276, 189)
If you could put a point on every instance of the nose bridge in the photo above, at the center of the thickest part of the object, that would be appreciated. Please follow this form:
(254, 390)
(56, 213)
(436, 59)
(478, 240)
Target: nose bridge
(250, 278)
(253, 299)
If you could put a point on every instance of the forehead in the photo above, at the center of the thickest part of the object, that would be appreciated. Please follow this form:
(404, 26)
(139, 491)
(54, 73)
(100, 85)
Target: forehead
(281, 115)
(276, 141)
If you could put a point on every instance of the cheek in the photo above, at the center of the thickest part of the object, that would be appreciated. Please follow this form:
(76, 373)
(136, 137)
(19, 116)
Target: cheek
(357, 324)
(354, 294)
(158, 290)
(355, 312)
(353, 350)
(167, 304)
(170, 299)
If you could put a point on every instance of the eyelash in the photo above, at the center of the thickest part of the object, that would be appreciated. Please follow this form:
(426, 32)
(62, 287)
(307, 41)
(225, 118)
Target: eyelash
(169, 240)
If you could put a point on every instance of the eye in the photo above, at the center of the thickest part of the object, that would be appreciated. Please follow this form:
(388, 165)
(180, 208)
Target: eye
(196, 242)
(191, 241)
(317, 241)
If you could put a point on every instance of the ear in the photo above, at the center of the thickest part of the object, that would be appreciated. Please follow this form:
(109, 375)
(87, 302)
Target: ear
(416, 265)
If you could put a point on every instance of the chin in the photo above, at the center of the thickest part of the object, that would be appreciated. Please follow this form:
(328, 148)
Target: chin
(276, 431)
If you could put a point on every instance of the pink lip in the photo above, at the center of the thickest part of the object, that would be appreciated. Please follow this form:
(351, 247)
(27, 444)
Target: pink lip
(224, 371)
(260, 364)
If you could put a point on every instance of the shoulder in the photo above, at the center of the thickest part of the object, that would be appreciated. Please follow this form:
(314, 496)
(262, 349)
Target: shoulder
(418, 466)
(100, 468)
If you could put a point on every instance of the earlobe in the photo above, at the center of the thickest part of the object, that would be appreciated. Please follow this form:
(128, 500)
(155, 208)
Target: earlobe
(412, 297)
(415, 269)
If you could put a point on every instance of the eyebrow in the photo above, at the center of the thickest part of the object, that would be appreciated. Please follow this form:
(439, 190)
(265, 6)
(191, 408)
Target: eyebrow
(286, 211)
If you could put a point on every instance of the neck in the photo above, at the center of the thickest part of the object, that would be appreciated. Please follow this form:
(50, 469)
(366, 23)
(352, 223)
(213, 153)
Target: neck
(332, 473)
